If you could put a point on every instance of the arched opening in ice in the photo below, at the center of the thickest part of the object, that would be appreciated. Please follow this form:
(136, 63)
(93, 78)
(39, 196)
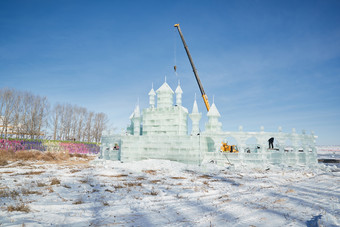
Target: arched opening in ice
(252, 145)
(211, 144)
(288, 146)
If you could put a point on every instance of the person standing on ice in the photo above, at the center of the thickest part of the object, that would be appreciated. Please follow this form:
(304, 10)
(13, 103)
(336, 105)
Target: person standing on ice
(271, 143)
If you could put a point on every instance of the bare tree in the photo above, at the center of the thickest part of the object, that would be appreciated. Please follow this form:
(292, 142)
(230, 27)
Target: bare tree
(17, 112)
(99, 125)
(23, 114)
(88, 127)
(81, 123)
(55, 119)
(7, 107)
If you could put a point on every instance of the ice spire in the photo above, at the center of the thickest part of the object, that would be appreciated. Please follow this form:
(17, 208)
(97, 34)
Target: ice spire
(136, 120)
(195, 117)
(195, 107)
(213, 112)
(164, 96)
(179, 93)
(213, 125)
(152, 95)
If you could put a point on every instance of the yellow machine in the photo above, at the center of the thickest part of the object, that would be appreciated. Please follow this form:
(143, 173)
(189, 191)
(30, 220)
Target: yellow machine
(229, 148)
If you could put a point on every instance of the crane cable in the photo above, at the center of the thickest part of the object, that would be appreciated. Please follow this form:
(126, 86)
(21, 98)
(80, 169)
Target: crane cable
(175, 48)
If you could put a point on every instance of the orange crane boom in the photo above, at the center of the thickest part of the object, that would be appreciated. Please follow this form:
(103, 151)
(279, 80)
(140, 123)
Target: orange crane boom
(204, 96)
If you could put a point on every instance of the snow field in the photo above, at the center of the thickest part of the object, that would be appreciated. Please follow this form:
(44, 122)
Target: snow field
(165, 193)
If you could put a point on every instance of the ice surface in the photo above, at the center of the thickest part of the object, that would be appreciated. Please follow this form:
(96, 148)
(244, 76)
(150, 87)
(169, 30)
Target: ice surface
(161, 132)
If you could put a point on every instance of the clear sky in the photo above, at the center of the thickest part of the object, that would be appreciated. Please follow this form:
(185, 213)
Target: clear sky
(266, 63)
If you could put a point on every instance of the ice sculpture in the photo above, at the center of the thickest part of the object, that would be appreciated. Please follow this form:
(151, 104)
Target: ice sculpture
(161, 132)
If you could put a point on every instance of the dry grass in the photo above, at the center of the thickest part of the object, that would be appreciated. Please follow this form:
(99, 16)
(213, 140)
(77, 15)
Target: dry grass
(118, 186)
(78, 155)
(78, 201)
(84, 181)
(3, 162)
(177, 178)
(41, 184)
(19, 207)
(133, 184)
(205, 176)
(290, 191)
(45, 156)
(150, 171)
(31, 173)
(118, 176)
(25, 191)
(32, 155)
(55, 181)
(155, 181)
(154, 193)
(140, 178)
(280, 201)
(106, 204)
(5, 193)
(74, 170)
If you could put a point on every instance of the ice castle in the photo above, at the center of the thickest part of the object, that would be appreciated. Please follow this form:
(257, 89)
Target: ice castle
(161, 132)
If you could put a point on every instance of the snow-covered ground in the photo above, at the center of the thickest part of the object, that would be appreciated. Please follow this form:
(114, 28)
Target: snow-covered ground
(165, 193)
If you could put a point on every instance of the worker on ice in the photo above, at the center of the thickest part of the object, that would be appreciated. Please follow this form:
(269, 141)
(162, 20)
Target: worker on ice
(271, 143)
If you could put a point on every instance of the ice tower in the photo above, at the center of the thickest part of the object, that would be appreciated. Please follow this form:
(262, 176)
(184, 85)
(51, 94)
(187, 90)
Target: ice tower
(195, 117)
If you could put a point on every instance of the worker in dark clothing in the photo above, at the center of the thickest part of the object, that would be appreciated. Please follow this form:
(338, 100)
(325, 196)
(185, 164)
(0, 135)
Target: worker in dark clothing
(271, 143)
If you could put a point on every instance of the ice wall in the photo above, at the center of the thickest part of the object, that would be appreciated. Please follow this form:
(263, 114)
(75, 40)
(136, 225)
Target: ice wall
(160, 131)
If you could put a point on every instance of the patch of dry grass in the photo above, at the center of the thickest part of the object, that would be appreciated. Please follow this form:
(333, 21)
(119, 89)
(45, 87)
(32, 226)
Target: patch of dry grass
(133, 184)
(118, 186)
(30, 173)
(153, 192)
(78, 155)
(118, 176)
(155, 181)
(5, 193)
(41, 184)
(66, 186)
(31, 155)
(106, 204)
(74, 170)
(78, 201)
(177, 178)
(7, 156)
(150, 171)
(25, 191)
(140, 178)
(205, 176)
(19, 207)
(290, 191)
(55, 181)
(3, 162)
(280, 200)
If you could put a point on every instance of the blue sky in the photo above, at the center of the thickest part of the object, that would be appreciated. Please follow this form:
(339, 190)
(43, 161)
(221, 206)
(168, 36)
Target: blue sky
(266, 63)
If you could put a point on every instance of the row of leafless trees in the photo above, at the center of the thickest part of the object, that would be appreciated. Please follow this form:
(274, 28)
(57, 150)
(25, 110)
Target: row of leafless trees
(25, 115)
(71, 122)
(22, 114)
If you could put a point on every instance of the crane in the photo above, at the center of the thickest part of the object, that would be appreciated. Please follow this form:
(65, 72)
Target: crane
(204, 96)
